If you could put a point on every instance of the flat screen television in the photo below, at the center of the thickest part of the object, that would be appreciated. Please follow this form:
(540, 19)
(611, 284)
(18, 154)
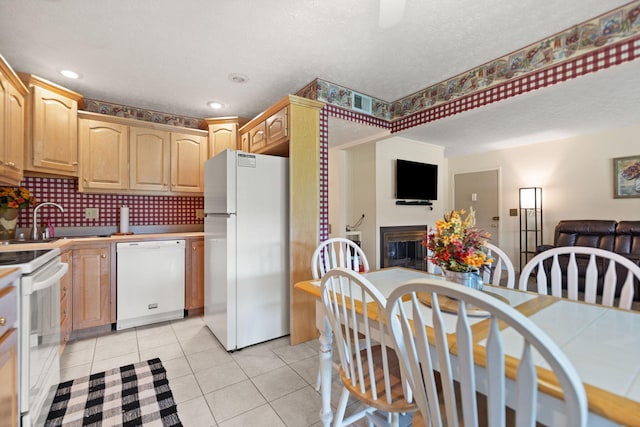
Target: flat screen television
(416, 181)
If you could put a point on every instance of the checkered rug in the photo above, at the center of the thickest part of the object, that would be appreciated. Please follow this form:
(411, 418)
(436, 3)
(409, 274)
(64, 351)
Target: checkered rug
(133, 395)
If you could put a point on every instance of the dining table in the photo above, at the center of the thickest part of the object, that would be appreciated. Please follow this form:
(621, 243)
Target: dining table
(602, 342)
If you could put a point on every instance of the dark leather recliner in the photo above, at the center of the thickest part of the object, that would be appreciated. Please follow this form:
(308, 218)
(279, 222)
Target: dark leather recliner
(621, 237)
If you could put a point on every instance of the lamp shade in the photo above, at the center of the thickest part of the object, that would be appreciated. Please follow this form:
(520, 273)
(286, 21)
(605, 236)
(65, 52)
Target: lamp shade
(531, 198)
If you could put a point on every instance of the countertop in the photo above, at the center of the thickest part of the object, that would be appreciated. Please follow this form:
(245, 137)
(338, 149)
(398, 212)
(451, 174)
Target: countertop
(76, 241)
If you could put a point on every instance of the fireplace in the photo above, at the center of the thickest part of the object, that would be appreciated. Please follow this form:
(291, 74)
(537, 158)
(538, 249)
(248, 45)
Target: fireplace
(401, 246)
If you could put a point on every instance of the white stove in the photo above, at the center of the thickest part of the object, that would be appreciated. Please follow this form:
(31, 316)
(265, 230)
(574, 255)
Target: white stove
(39, 313)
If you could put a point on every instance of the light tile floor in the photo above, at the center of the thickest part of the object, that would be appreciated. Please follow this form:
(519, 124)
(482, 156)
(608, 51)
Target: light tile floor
(269, 384)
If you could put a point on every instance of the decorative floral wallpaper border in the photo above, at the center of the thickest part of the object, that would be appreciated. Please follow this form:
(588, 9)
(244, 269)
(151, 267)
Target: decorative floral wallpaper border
(118, 110)
(596, 34)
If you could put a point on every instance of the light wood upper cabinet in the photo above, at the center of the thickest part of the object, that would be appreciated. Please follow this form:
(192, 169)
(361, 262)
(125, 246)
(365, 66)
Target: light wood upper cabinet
(127, 156)
(52, 130)
(223, 134)
(91, 286)
(104, 155)
(268, 133)
(149, 161)
(12, 122)
(188, 154)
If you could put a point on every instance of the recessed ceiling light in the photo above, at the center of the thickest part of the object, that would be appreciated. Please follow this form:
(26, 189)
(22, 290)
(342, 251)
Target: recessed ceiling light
(69, 74)
(215, 105)
(238, 78)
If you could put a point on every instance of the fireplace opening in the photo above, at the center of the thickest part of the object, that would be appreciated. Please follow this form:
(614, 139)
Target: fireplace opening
(401, 246)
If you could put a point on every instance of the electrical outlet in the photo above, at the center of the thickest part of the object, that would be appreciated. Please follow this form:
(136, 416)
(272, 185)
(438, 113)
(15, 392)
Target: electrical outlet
(199, 213)
(91, 213)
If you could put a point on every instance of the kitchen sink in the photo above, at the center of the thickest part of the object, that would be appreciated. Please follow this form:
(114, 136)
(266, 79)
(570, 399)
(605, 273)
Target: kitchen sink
(29, 241)
(22, 242)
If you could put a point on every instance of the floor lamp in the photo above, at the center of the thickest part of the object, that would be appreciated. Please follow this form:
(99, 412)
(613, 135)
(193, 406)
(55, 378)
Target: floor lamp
(530, 203)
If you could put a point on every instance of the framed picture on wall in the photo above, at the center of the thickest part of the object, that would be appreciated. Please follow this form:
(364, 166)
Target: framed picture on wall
(626, 177)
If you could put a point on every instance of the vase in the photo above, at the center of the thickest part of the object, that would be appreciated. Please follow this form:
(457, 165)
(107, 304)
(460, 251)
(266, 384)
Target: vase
(8, 222)
(469, 279)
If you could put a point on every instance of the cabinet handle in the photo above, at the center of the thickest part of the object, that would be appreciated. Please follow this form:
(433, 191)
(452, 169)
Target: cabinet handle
(3, 321)
(103, 255)
(74, 163)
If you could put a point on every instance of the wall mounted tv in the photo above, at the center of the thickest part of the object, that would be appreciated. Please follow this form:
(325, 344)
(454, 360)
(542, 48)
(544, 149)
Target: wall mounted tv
(416, 181)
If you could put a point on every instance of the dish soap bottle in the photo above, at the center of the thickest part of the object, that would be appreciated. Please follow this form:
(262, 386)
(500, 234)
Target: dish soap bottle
(50, 229)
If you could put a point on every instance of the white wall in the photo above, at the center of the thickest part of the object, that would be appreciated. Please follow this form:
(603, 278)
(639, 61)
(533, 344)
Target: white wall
(576, 176)
(363, 182)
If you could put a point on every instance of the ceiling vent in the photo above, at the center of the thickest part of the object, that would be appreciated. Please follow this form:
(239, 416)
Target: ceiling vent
(361, 103)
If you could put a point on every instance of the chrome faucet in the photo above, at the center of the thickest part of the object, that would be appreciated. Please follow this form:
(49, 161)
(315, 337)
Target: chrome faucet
(34, 225)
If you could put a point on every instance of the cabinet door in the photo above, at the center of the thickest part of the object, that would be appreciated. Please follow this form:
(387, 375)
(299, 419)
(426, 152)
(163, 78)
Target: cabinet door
(188, 154)
(12, 113)
(223, 137)
(104, 150)
(149, 163)
(257, 138)
(54, 132)
(91, 287)
(66, 300)
(244, 141)
(277, 127)
(194, 290)
(9, 379)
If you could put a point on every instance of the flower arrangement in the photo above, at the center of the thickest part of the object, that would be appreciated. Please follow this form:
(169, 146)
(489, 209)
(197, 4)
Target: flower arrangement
(456, 244)
(16, 197)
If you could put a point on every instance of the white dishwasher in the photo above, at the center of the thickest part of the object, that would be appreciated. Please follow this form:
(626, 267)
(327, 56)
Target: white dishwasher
(150, 282)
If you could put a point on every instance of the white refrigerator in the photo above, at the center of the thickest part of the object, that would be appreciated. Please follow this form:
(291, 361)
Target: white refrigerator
(246, 225)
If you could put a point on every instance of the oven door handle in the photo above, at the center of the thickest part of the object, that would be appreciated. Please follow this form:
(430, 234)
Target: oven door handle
(51, 279)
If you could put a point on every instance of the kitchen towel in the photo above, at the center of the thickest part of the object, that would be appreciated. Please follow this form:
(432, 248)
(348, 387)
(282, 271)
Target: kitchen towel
(124, 219)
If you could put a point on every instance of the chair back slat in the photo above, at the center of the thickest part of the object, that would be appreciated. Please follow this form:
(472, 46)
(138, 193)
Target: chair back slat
(590, 281)
(572, 279)
(527, 389)
(601, 271)
(425, 336)
(464, 342)
(610, 280)
(495, 382)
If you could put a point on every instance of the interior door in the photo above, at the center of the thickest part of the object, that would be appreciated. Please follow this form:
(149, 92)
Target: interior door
(480, 191)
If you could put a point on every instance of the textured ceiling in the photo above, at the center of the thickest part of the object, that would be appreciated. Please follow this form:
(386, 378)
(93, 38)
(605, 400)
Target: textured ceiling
(175, 56)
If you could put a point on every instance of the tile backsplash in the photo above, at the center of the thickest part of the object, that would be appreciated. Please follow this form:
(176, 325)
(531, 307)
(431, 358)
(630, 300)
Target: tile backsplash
(143, 210)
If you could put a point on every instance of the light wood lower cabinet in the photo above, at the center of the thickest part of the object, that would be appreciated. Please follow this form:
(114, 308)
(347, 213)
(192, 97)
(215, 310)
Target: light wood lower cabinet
(9, 379)
(66, 300)
(9, 351)
(194, 288)
(91, 286)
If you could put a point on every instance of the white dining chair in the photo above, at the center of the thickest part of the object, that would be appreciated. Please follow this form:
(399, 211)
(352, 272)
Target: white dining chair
(558, 270)
(369, 369)
(432, 344)
(338, 252)
(501, 268)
